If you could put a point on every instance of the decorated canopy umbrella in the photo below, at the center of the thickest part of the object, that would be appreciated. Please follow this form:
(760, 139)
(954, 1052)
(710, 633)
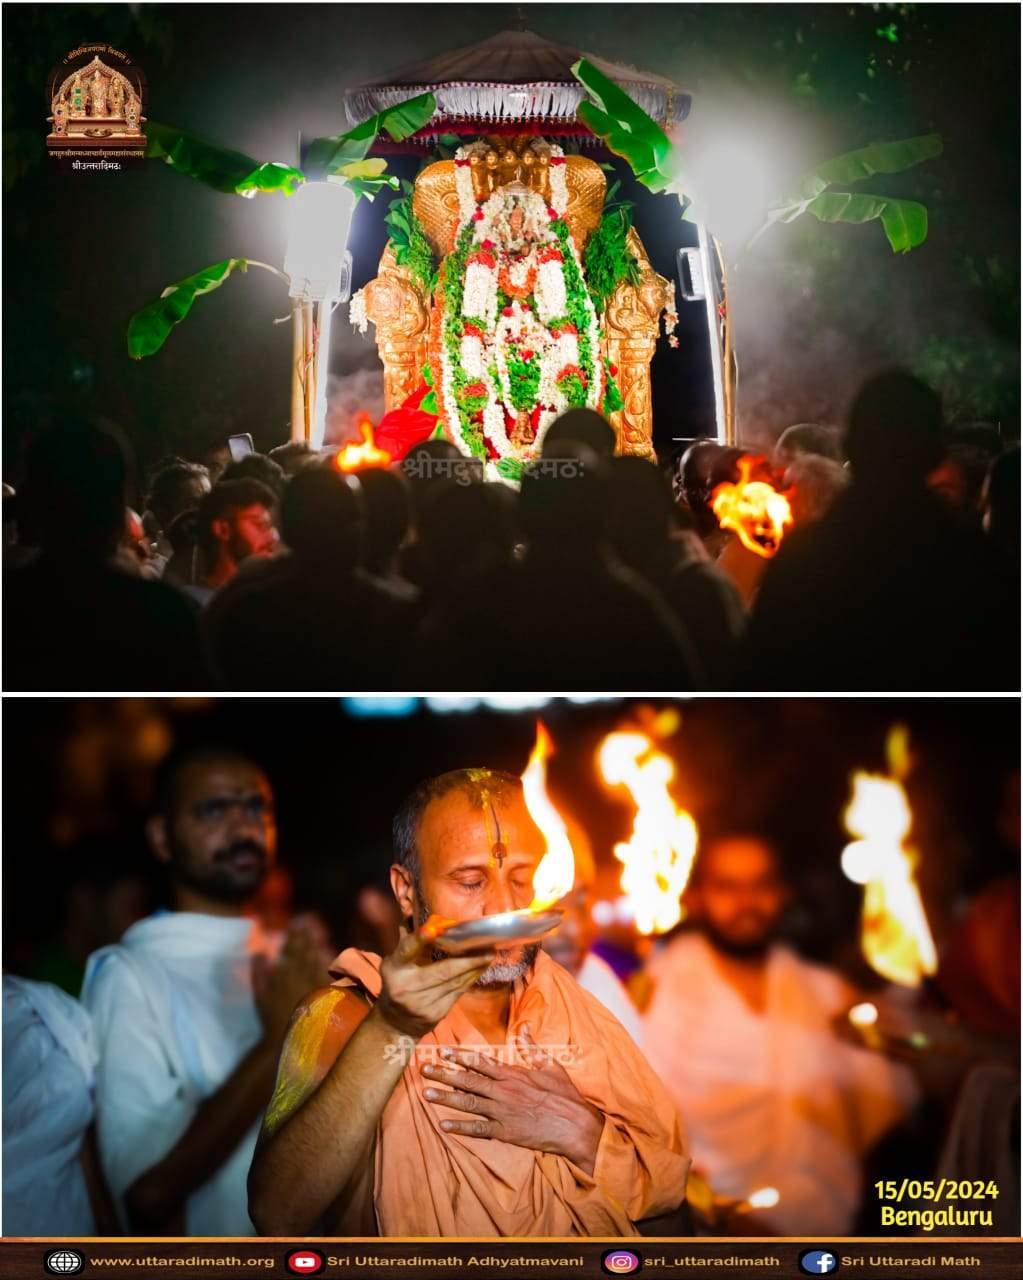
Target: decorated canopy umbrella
(515, 82)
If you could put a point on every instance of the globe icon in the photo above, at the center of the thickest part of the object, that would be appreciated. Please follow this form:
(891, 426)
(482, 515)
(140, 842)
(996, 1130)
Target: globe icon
(64, 1262)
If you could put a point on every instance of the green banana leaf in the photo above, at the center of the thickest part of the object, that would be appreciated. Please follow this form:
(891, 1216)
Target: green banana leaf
(879, 157)
(149, 328)
(329, 155)
(232, 172)
(904, 221)
(626, 129)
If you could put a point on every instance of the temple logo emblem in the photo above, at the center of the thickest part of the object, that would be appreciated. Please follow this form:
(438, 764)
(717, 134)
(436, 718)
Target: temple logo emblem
(96, 106)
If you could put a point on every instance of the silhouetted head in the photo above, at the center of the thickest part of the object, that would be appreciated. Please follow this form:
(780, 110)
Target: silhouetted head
(807, 438)
(565, 510)
(323, 520)
(257, 466)
(894, 436)
(293, 456)
(582, 426)
(639, 511)
(703, 466)
(468, 527)
(385, 495)
(423, 477)
(813, 483)
(74, 495)
(178, 486)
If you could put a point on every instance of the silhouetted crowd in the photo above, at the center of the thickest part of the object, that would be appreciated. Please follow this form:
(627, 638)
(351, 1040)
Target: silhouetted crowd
(900, 572)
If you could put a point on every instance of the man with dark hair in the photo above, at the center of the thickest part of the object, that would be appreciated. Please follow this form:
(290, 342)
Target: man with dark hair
(739, 1027)
(257, 466)
(293, 456)
(234, 521)
(190, 1008)
(178, 486)
(579, 426)
(415, 1096)
(889, 590)
(74, 620)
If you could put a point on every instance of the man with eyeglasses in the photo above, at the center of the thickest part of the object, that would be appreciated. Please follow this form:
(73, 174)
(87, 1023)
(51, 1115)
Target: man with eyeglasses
(191, 1007)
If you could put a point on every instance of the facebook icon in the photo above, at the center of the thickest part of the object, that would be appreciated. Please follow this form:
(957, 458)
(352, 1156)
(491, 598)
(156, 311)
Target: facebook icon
(817, 1262)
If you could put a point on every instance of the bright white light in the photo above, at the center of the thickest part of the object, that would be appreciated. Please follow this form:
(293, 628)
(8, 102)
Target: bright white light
(624, 911)
(444, 705)
(863, 1015)
(764, 1198)
(860, 861)
(603, 914)
(319, 219)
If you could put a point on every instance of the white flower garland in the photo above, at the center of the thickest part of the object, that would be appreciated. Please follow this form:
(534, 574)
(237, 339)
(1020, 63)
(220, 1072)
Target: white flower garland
(357, 317)
(479, 303)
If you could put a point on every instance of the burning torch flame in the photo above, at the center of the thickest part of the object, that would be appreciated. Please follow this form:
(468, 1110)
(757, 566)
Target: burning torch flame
(753, 509)
(354, 457)
(894, 932)
(658, 856)
(555, 873)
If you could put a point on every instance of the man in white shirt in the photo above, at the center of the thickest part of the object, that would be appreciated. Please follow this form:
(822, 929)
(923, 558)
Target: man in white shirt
(739, 1029)
(190, 1010)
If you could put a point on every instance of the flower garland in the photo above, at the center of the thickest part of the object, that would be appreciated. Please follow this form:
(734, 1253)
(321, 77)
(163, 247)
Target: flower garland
(520, 334)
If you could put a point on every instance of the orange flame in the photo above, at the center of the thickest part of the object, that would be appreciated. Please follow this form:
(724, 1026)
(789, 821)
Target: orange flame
(658, 856)
(753, 509)
(354, 457)
(555, 873)
(894, 932)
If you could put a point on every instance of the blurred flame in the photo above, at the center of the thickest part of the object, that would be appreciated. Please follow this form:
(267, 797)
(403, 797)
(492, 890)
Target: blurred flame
(753, 509)
(555, 873)
(894, 932)
(658, 856)
(353, 457)
(764, 1198)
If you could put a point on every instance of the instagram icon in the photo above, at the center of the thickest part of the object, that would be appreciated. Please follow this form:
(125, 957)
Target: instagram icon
(621, 1262)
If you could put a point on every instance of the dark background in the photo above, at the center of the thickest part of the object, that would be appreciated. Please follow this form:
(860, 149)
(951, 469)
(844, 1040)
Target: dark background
(816, 307)
(78, 779)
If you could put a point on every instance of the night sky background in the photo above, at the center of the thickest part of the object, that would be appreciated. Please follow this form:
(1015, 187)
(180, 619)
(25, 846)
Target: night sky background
(777, 89)
(78, 779)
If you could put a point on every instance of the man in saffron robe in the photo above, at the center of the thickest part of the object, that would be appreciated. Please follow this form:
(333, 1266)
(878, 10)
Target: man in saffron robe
(486, 1094)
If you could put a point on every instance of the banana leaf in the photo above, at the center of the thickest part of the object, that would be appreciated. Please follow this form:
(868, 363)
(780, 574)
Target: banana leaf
(904, 221)
(626, 129)
(879, 157)
(232, 172)
(149, 328)
(328, 155)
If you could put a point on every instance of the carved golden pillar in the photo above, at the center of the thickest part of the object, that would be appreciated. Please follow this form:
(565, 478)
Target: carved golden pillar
(631, 324)
(400, 309)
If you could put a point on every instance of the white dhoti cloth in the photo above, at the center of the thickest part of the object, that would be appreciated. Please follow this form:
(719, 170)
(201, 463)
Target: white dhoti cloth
(771, 1099)
(174, 1014)
(49, 1076)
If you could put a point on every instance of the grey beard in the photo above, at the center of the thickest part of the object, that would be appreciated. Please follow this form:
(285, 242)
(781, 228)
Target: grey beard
(500, 973)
